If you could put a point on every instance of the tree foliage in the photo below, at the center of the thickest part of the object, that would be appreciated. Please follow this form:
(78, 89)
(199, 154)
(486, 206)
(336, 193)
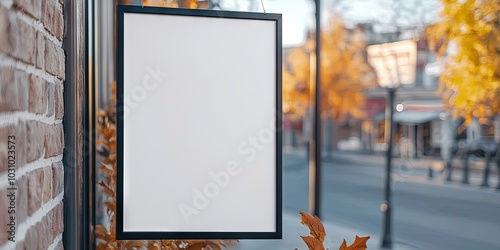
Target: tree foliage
(344, 73)
(470, 81)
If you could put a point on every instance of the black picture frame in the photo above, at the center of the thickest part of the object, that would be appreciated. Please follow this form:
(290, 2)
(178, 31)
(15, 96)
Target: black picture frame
(156, 235)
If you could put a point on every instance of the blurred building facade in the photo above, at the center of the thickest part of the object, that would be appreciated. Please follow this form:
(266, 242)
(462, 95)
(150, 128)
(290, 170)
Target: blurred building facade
(423, 126)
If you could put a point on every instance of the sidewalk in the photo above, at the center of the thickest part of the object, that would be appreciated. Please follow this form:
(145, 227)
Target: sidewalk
(477, 164)
(415, 170)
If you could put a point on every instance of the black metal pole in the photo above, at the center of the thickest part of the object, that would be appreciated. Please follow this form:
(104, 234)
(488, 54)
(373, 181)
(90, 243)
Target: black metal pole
(498, 163)
(387, 205)
(465, 177)
(449, 167)
(486, 173)
(315, 145)
(317, 112)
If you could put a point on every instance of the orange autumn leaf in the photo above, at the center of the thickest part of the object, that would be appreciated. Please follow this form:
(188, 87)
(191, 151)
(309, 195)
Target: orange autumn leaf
(313, 243)
(315, 226)
(359, 244)
(318, 233)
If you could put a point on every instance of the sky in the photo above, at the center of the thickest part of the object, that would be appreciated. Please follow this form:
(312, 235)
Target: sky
(298, 15)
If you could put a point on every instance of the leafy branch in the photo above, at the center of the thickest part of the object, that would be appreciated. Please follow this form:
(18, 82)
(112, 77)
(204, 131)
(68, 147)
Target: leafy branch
(317, 235)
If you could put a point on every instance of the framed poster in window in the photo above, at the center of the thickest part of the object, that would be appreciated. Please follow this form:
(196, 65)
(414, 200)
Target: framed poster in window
(199, 124)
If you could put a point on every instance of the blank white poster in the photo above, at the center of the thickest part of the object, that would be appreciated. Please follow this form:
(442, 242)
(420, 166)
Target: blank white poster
(199, 124)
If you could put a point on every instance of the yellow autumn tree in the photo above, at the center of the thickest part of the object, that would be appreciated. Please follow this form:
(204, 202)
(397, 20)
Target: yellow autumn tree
(345, 73)
(470, 81)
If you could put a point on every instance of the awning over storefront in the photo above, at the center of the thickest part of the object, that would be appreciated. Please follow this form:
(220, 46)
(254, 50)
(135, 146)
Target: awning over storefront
(412, 117)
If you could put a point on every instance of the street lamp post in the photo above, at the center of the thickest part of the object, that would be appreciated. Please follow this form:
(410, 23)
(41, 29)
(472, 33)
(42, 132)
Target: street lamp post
(387, 60)
(315, 144)
(387, 204)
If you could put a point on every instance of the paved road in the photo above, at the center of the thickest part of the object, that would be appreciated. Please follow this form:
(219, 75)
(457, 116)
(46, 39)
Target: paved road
(429, 214)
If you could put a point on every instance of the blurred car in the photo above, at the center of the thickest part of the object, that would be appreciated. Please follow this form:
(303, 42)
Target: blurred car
(351, 143)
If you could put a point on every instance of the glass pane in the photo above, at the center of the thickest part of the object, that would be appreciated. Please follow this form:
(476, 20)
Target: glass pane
(445, 121)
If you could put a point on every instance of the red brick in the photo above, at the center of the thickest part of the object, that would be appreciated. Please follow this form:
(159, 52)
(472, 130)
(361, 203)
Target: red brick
(22, 199)
(4, 216)
(21, 91)
(14, 87)
(57, 220)
(53, 18)
(40, 50)
(47, 184)
(54, 59)
(36, 140)
(50, 101)
(4, 133)
(37, 95)
(4, 28)
(18, 37)
(54, 140)
(20, 246)
(25, 37)
(19, 142)
(35, 180)
(59, 101)
(31, 7)
(31, 239)
(6, 39)
(44, 228)
(57, 179)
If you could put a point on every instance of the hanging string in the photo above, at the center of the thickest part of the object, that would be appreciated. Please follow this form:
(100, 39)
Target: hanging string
(262, 3)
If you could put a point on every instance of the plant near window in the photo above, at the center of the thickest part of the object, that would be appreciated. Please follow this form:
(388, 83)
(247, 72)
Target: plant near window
(317, 235)
(106, 235)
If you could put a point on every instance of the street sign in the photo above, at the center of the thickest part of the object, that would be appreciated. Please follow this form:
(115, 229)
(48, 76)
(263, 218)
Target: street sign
(199, 124)
(394, 63)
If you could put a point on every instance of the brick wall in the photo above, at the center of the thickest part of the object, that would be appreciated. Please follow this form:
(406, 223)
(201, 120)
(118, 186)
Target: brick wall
(32, 71)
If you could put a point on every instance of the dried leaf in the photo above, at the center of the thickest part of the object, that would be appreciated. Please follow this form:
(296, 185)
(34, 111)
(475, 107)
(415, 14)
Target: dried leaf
(111, 205)
(313, 243)
(154, 245)
(107, 190)
(317, 230)
(101, 232)
(196, 246)
(135, 243)
(359, 244)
